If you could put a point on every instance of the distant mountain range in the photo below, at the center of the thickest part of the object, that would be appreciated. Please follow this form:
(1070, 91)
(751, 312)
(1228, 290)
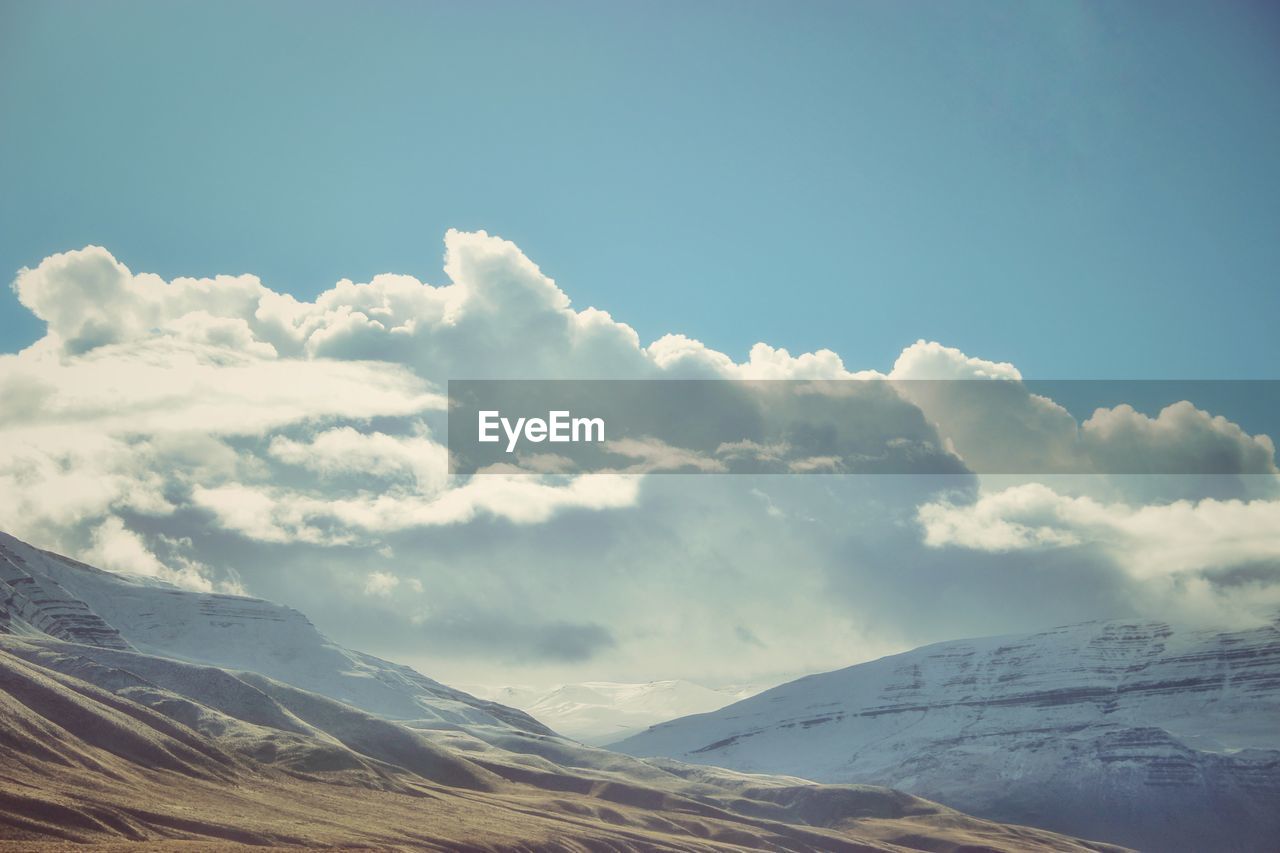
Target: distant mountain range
(599, 712)
(132, 711)
(1134, 732)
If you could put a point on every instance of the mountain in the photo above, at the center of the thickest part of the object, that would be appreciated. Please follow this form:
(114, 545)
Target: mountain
(1134, 732)
(116, 725)
(598, 712)
(69, 600)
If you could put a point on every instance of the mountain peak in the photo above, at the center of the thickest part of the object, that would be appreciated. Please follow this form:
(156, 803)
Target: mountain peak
(1076, 729)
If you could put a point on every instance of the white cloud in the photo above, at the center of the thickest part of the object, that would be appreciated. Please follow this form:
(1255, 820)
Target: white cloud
(930, 360)
(141, 382)
(810, 464)
(161, 385)
(118, 549)
(345, 450)
(275, 514)
(1181, 439)
(1151, 541)
(381, 584)
(220, 409)
(1002, 427)
(680, 356)
(652, 454)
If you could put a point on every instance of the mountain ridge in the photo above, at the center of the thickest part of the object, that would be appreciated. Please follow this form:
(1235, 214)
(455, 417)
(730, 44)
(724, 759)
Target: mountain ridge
(1138, 732)
(234, 632)
(105, 740)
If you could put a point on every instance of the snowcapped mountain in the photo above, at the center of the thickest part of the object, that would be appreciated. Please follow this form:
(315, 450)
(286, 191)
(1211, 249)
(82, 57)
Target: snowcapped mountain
(133, 711)
(1136, 733)
(599, 712)
(44, 593)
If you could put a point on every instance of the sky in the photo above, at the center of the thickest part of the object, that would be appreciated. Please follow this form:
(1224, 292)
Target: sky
(251, 244)
(1086, 189)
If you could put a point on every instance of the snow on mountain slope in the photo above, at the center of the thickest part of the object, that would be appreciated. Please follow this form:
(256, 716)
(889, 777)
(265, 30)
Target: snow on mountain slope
(599, 712)
(1135, 733)
(106, 745)
(102, 739)
(44, 593)
(33, 604)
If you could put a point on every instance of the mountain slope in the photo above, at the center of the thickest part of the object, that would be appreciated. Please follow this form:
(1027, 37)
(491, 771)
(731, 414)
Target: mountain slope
(44, 593)
(80, 763)
(1133, 732)
(101, 742)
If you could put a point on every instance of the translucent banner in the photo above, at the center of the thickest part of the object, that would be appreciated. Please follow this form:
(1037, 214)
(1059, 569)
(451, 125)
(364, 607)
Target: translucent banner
(872, 426)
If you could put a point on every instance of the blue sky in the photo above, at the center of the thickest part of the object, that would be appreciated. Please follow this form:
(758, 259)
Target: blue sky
(1087, 190)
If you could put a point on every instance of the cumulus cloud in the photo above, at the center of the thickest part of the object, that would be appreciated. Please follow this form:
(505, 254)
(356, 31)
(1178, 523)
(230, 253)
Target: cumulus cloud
(184, 428)
(346, 450)
(478, 324)
(1181, 439)
(679, 356)
(930, 360)
(1148, 541)
(133, 427)
(655, 455)
(118, 549)
(998, 424)
(145, 395)
(381, 584)
(275, 514)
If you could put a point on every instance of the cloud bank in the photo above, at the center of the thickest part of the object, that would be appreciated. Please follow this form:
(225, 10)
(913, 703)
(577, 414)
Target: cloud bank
(222, 435)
